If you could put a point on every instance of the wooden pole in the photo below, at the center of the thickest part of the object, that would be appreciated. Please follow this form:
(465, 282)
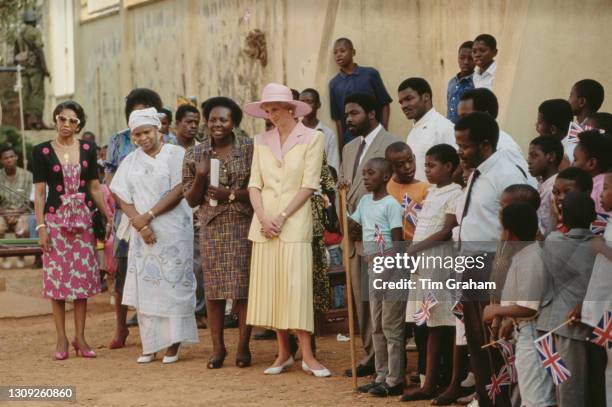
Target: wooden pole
(349, 288)
(19, 87)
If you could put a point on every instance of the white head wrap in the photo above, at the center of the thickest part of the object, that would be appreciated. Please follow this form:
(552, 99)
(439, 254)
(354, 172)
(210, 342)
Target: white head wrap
(143, 117)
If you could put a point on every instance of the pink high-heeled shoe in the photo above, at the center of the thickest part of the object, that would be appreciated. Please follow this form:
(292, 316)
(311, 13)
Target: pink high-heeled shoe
(85, 354)
(61, 355)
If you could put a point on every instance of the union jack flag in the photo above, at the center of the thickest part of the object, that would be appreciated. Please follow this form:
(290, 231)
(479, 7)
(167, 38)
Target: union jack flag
(422, 315)
(574, 130)
(551, 360)
(411, 209)
(457, 310)
(599, 224)
(507, 351)
(602, 333)
(379, 239)
(497, 381)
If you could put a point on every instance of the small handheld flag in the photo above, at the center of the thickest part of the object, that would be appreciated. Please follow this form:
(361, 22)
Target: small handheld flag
(501, 379)
(379, 239)
(507, 351)
(422, 316)
(573, 131)
(411, 209)
(599, 224)
(457, 310)
(551, 360)
(602, 333)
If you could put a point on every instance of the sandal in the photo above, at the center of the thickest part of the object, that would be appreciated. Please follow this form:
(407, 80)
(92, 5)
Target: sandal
(216, 362)
(244, 361)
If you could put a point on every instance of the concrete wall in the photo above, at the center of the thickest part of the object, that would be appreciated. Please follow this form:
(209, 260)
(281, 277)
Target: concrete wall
(193, 47)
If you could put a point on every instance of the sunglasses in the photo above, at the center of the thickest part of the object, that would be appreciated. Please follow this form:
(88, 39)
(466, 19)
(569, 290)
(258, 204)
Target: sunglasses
(65, 119)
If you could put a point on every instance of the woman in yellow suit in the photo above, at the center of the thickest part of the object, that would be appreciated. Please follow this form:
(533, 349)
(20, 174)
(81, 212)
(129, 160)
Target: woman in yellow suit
(285, 172)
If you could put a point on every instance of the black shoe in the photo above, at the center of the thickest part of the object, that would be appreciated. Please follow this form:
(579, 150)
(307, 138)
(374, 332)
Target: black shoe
(367, 387)
(267, 334)
(230, 321)
(362, 371)
(384, 390)
(132, 321)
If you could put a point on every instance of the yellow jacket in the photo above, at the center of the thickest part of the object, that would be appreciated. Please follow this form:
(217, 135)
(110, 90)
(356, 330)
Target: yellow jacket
(279, 173)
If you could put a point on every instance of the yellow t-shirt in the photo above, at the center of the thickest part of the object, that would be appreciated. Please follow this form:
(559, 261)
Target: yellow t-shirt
(415, 194)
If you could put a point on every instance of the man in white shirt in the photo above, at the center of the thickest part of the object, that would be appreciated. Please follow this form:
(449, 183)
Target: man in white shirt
(311, 97)
(429, 128)
(480, 228)
(484, 51)
(484, 100)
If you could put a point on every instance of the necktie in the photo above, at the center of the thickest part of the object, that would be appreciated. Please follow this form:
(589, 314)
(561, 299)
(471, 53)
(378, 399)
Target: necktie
(358, 156)
(468, 197)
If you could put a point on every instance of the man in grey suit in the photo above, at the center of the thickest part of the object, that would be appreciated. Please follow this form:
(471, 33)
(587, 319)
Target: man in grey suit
(371, 141)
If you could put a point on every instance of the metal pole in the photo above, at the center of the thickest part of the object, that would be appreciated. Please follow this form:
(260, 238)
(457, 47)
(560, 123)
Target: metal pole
(18, 87)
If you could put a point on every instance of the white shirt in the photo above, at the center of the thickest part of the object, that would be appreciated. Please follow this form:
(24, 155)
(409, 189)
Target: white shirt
(568, 148)
(429, 130)
(369, 139)
(515, 154)
(546, 214)
(331, 146)
(481, 223)
(485, 79)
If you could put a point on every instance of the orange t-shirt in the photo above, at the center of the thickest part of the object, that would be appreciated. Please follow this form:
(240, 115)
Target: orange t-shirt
(410, 197)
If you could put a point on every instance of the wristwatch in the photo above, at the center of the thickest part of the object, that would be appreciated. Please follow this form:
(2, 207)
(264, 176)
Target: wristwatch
(232, 197)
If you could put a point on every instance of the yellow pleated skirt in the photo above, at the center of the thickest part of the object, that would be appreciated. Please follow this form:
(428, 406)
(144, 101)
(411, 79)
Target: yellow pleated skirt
(280, 286)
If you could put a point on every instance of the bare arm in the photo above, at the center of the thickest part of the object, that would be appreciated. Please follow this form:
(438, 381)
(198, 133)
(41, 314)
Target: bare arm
(40, 194)
(167, 203)
(194, 193)
(296, 203)
(386, 111)
(98, 197)
(511, 311)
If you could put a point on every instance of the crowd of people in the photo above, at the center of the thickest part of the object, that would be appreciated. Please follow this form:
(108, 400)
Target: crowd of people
(190, 218)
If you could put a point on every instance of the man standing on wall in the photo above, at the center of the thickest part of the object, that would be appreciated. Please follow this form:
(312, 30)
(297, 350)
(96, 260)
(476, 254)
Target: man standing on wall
(29, 54)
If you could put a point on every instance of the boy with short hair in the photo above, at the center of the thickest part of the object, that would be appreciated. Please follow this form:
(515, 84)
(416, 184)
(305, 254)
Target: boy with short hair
(554, 118)
(569, 260)
(544, 158)
(354, 79)
(601, 121)
(484, 52)
(586, 97)
(569, 180)
(435, 224)
(379, 216)
(460, 82)
(594, 155)
(520, 302)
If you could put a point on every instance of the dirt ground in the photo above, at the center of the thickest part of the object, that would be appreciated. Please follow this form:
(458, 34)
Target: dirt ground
(115, 379)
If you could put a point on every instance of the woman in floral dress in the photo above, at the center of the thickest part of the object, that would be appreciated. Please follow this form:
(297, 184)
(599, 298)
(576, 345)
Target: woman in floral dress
(67, 168)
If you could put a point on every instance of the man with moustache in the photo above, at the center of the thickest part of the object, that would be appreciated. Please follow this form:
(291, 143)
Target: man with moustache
(371, 140)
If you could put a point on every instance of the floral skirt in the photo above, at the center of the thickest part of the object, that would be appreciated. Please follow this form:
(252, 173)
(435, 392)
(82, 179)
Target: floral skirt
(70, 269)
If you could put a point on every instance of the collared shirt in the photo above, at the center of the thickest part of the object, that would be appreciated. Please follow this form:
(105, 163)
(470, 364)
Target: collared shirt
(481, 223)
(569, 260)
(515, 154)
(486, 78)
(598, 298)
(546, 214)
(525, 281)
(429, 130)
(15, 190)
(331, 146)
(119, 147)
(456, 87)
(363, 79)
(369, 139)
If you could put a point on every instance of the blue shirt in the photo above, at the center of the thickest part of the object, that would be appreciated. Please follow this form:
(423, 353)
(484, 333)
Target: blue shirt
(386, 213)
(456, 88)
(119, 147)
(362, 80)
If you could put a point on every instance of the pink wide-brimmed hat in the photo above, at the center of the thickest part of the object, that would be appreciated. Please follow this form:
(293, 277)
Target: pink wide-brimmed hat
(274, 92)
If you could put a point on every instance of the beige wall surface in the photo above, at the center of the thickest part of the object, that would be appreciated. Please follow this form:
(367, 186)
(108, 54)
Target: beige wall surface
(193, 48)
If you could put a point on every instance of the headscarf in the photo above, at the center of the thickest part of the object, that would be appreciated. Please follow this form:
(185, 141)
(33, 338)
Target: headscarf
(143, 117)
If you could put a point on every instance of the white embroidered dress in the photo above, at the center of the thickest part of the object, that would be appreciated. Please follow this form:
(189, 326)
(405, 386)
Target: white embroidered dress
(159, 282)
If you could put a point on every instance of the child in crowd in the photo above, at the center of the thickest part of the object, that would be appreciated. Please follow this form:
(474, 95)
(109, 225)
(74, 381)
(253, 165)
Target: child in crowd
(520, 302)
(544, 158)
(569, 260)
(594, 155)
(598, 299)
(601, 121)
(586, 97)
(434, 226)
(379, 216)
(569, 180)
(409, 192)
(554, 118)
(484, 51)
